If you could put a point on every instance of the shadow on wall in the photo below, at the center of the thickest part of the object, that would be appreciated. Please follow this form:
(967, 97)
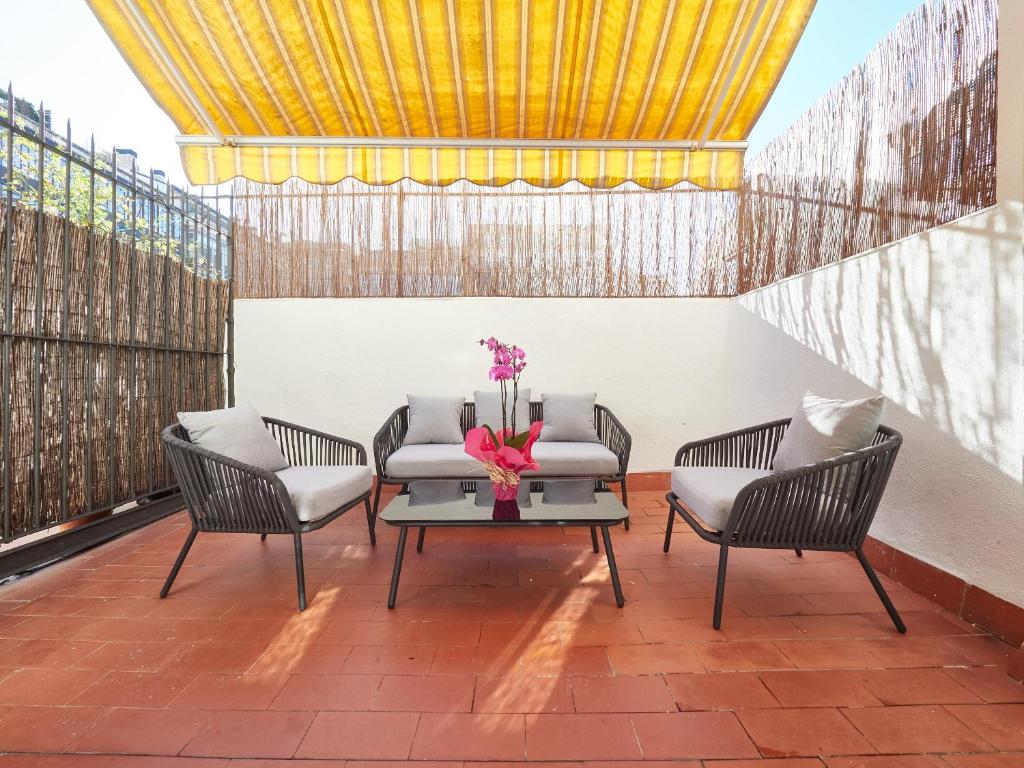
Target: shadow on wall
(935, 323)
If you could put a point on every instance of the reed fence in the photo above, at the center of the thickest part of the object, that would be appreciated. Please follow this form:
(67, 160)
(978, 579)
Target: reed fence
(115, 299)
(351, 239)
(905, 142)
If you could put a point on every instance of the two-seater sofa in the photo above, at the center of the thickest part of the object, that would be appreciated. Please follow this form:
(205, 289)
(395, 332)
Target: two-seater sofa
(605, 461)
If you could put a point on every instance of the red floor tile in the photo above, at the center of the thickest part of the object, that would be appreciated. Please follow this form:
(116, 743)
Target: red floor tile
(45, 686)
(581, 737)
(250, 734)
(141, 732)
(803, 732)
(991, 684)
(45, 729)
(915, 729)
(524, 694)
(378, 660)
(647, 693)
(414, 693)
(915, 686)
(230, 692)
(819, 688)
(654, 659)
(556, 660)
(458, 736)
(1001, 725)
(706, 735)
(135, 689)
(742, 655)
(313, 693)
(720, 690)
(360, 735)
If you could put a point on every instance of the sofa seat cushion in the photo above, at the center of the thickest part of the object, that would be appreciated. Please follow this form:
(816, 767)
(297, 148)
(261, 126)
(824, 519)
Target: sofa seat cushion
(433, 460)
(317, 491)
(574, 459)
(709, 492)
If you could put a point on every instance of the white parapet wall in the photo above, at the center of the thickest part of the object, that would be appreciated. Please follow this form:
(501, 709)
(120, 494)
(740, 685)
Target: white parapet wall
(934, 322)
(343, 365)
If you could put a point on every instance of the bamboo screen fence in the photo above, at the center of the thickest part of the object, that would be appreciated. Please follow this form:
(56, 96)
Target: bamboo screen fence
(115, 298)
(905, 142)
(350, 239)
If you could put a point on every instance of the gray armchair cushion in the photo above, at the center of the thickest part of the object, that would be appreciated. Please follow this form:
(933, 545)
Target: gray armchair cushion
(569, 418)
(238, 433)
(317, 491)
(434, 420)
(709, 492)
(823, 429)
(437, 460)
(488, 409)
(581, 459)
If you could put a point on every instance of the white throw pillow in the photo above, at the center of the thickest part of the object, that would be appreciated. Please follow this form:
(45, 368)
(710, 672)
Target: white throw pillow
(823, 429)
(488, 409)
(434, 420)
(238, 433)
(569, 419)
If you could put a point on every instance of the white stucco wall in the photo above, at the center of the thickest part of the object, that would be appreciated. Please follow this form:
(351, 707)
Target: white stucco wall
(344, 365)
(935, 323)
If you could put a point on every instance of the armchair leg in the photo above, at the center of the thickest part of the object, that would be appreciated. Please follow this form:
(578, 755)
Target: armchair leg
(668, 530)
(376, 499)
(593, 538)
(723, 558)
(300, 573)
(371, 522)
(419, 539)
(263, 537)
(880, 591)
(799, 552)
(625, 501)
(177, 563)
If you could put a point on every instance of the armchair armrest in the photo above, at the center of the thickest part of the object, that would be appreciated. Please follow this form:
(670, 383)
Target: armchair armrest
(828, 505)
(752, 447)
(614, 436)
(389, 438)
(226, 495)
(308, 447)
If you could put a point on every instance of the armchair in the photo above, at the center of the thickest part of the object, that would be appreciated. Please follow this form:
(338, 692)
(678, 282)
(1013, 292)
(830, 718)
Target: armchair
(326, 477)
(727, 482)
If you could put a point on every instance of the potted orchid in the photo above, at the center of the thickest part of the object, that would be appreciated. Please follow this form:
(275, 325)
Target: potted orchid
(505, 453)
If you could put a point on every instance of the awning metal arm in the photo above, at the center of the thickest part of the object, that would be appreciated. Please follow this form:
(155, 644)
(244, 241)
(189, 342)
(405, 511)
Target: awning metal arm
(179, 78)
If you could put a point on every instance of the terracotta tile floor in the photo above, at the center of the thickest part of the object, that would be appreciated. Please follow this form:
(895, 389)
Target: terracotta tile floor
(506, 646)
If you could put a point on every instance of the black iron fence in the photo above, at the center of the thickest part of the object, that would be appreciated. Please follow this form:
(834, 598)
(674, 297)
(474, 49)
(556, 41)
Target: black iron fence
(115, 308)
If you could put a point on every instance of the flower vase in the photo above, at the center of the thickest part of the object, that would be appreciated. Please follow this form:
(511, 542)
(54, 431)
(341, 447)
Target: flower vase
(506, 503)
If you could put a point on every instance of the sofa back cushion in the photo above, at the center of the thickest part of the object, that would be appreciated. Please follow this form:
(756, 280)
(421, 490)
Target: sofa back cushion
(488, 409)
(569, 418)
(238, 433)
(434, 420)
(823, 428)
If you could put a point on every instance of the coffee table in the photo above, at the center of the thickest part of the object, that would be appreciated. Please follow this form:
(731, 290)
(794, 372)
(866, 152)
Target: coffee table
(605, 511)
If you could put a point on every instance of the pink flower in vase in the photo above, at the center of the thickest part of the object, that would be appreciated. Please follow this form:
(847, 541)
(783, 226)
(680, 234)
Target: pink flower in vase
(505, 453)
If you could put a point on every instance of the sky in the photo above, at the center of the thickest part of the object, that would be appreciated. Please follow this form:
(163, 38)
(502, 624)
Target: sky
(79, 74)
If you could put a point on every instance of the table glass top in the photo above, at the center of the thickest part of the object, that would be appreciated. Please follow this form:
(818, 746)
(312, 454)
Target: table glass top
(556, 505)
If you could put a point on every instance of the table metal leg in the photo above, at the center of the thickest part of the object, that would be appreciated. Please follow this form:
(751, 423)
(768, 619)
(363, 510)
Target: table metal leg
(612, 569)
(593, 538)
(419, 539)
(403, 531)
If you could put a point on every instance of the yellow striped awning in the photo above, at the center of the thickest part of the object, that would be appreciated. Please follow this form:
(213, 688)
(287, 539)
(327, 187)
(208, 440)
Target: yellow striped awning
(601, 91)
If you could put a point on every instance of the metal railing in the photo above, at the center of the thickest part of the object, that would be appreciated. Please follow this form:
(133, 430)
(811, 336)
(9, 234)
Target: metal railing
(116, 304)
